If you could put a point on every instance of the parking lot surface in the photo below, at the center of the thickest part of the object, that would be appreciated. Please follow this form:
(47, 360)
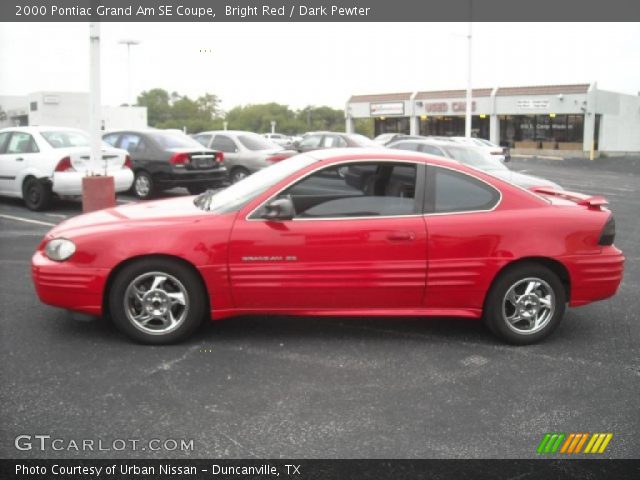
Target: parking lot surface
(321, 388)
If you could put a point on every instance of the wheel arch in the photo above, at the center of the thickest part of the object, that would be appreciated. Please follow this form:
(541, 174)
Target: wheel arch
(557, 267)
(119, 267)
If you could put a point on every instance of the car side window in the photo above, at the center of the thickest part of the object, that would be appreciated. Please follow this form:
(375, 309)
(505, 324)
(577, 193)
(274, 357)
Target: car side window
(203, 139)
(111, 138)
(310, 141)
(333, 141)
(450, 191)
(4, 137)
(362, 189)
(21, 142)
(224, 144)
(131, 143)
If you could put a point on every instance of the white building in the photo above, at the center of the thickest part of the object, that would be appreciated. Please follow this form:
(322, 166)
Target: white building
(66, 109)
(563, 119)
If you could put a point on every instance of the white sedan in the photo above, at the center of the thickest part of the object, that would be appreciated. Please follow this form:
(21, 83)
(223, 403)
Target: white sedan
(37, 162)
(491, 148)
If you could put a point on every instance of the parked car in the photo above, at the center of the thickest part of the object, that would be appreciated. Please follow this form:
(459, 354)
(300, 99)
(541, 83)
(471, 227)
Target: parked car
(425, 236)
(166, 159)
(244, 152)
(39, 162)
(319, 140)
(474, 157)
(284, 141)
(387, 138)
(501, 153)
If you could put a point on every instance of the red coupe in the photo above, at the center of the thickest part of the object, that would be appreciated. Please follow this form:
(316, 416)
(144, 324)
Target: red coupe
(339, 232)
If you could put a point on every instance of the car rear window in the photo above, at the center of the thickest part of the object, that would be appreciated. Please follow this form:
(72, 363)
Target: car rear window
(174, 140)
(256, 142)
(65, 138)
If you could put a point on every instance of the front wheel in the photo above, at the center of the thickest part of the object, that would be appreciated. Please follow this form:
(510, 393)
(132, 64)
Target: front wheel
(157, 301)
(525, 304)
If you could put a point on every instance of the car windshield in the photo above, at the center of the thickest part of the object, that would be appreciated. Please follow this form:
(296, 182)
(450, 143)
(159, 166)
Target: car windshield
(66, 138)
(363, 141)
(255, 142)
(238, 194)
(474, 158)
(174, 140)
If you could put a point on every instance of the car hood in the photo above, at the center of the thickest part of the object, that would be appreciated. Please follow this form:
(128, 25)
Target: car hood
(522, 179)
(122, 217)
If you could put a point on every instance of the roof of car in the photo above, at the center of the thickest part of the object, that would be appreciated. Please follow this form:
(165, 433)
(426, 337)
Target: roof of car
(375, 153)
(228, 132)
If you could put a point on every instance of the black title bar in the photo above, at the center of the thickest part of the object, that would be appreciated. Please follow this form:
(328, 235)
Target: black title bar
(318, 10)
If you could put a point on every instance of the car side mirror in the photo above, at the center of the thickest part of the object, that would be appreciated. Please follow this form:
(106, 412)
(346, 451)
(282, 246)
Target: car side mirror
(279, 209)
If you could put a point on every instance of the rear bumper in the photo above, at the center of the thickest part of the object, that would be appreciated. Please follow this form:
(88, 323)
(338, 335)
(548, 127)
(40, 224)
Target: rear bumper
(179, 178)
(595, 277)
(70, 183)
(64, 285)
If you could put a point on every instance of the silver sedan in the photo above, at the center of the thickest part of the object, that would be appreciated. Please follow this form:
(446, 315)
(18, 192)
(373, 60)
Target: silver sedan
(244, 152)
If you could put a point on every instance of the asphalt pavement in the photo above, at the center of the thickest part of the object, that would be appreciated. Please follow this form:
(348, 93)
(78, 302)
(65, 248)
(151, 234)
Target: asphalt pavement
(315, 387)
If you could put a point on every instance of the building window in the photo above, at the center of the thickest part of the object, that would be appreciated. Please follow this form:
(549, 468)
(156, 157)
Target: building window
(564, 132)
(453, 126)
(392, 125)
(33, 106)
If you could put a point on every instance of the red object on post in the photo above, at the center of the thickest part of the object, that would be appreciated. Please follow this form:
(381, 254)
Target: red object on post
(98, 193)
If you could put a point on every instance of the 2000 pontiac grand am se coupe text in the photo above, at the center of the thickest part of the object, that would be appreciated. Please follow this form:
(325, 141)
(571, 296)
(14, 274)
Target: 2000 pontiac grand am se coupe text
(410, 236)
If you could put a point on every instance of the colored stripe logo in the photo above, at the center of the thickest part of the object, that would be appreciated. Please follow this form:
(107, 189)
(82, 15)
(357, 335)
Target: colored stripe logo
(573, 443)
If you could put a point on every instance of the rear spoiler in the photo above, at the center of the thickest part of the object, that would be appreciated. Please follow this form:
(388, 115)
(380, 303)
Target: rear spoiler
(594, 202)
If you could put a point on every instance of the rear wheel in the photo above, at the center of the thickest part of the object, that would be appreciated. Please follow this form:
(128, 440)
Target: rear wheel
(525, 304)
(36, 194)
(238, 173)
(143, 186)
(157, 301)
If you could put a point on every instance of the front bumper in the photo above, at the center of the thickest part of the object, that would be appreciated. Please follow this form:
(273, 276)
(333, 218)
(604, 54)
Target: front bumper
(70, 183)
(65, 285)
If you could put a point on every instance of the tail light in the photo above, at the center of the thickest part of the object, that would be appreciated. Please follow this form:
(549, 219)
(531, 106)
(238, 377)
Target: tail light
(608, 234)
(127, 162)
(179, 159)
(64, 165)
(276, 158)
(497, 152)
(219, 157)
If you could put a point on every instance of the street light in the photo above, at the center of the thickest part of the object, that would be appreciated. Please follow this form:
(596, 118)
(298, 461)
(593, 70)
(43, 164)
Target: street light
(128, 42)
(467, 119)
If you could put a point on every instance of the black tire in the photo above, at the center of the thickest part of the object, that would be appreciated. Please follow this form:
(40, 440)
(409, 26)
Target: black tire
(124, 307)
(238, 173)
(196, 189)
(36, 194)
(143, 186)
(498, 307)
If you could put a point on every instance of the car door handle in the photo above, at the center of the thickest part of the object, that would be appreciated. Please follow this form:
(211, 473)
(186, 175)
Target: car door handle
(401, 236)
(19, 159)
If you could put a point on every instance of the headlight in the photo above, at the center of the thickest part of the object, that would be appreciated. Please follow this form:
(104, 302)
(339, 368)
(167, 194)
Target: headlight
(59, 249)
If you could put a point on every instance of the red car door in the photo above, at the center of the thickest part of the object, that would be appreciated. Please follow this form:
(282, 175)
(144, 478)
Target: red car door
(357, 241)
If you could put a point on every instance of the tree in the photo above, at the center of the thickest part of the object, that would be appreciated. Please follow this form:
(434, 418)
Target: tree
(157, 103)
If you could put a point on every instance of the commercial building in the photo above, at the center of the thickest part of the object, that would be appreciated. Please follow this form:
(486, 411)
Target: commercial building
(563, 119)
(65, 109)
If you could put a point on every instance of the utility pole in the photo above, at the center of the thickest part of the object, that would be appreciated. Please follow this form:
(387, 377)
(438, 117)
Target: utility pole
(467, 119)
(128, 42)
(94, 99)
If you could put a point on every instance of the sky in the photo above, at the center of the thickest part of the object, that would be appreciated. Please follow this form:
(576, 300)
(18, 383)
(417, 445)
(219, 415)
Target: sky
(301, 64)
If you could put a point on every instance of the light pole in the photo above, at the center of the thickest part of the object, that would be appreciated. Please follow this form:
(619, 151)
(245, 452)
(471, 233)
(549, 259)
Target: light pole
(128, 42)
(467, 118)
